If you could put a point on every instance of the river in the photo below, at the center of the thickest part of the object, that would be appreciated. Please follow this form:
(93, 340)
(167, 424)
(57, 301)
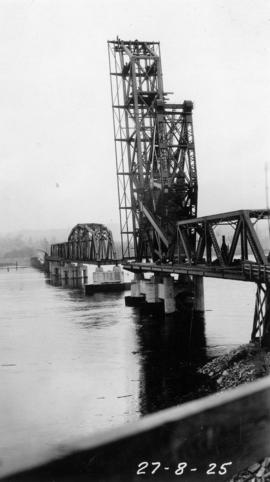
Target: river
(72, 365)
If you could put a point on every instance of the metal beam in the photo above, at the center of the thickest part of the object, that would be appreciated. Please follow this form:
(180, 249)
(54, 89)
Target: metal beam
(227, 216)
(254, 240)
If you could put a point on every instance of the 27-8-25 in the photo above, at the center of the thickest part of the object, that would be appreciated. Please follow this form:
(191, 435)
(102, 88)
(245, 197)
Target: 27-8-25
(182, 467)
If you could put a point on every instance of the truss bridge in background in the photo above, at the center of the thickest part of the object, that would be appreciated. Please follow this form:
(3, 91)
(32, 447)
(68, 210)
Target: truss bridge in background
(90, 243)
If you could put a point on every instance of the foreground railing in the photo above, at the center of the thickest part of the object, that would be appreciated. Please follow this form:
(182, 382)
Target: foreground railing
(208, 439)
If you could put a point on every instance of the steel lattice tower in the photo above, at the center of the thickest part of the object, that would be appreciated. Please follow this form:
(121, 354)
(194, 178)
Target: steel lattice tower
(155, 153)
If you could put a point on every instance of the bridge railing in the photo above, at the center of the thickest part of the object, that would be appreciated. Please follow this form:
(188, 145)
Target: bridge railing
(212, 438)
(256, 272)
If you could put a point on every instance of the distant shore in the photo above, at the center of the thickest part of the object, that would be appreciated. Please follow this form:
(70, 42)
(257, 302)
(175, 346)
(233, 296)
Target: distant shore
(22, 261)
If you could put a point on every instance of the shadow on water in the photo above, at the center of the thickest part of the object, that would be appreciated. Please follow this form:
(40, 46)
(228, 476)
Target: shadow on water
(171, 350)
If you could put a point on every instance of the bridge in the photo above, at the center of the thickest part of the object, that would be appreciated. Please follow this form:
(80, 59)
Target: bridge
(87, 244)
(201, 252)
(158, 201)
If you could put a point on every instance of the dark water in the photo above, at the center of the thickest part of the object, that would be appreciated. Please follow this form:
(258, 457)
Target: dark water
(71, 366)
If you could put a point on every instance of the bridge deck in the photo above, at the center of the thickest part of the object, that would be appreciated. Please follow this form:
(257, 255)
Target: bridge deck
(83, 260)
(246, 271)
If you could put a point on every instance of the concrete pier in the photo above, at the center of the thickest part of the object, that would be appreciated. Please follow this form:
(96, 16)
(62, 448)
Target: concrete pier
(198, 293)
(68, 275)
(152, 291)
(115, 275)
(163, 287)
(108, 281)
(169, 295)
(75, 275)
(136, 285)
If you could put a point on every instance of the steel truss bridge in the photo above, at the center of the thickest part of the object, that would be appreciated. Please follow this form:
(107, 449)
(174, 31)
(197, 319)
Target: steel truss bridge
(90, 243)
(158, 192)
(158, 186)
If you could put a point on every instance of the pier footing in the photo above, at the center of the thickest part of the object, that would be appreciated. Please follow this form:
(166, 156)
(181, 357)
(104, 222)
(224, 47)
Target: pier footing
(105, 288)
(164, 292)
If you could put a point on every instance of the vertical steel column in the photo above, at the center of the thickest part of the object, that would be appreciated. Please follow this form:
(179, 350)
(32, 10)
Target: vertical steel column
(261, 321)
(134, 88)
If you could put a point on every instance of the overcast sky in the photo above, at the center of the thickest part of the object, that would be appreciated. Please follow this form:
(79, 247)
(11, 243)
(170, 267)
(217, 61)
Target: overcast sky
(56, 135)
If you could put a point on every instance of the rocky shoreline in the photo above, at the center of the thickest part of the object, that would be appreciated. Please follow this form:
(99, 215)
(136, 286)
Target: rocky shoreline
(242, 365)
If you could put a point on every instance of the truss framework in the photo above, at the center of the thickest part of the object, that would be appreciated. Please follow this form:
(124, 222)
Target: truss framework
(198, 244)
(155, 153)
(88, 243)
(261, 320)
(197, 240)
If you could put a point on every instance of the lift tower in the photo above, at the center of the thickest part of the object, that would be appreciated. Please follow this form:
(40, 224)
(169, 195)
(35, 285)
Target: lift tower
(155, 153)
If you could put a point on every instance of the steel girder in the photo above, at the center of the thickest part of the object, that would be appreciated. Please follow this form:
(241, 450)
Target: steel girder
(155, 153)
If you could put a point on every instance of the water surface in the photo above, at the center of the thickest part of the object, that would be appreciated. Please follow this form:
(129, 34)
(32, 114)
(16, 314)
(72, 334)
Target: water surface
(71, 365)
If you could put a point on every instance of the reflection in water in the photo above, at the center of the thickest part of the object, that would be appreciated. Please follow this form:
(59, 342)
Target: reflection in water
(96, 311)
(170, 350)
(169, 347)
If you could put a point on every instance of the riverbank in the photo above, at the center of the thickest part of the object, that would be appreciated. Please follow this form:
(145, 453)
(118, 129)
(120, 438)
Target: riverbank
(242, 365)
